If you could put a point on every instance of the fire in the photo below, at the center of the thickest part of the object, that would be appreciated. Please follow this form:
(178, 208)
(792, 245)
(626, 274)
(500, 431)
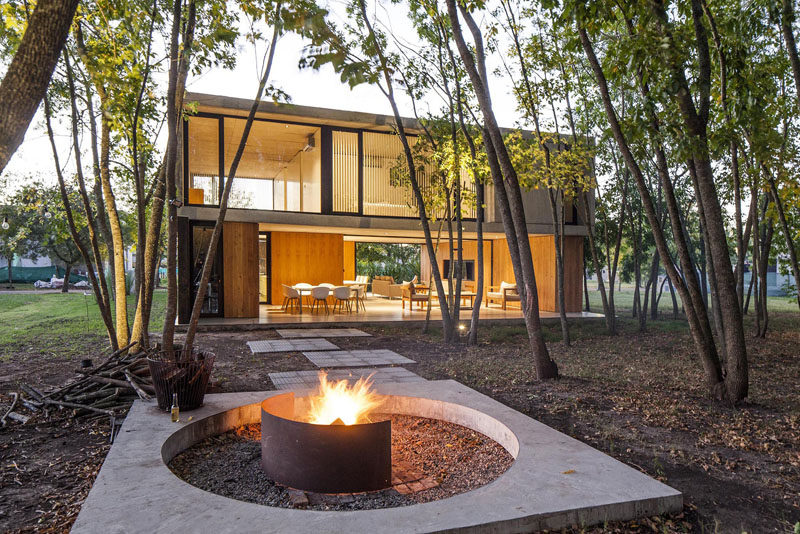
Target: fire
(337, 400)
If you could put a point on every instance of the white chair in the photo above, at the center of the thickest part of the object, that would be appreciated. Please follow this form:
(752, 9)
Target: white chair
(319, 295)
(290, 296)
(342, 296)
(358, 294)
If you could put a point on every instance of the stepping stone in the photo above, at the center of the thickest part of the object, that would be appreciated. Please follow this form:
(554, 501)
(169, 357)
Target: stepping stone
(290, 345)
(321, 332)
(356, 358)
(310, 379)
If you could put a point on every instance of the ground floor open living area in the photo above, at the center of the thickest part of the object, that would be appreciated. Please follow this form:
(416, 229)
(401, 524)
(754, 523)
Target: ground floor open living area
(275, 274)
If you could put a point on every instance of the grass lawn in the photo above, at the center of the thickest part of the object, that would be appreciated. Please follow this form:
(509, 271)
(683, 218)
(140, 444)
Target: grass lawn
(63, 324)
(623, 301)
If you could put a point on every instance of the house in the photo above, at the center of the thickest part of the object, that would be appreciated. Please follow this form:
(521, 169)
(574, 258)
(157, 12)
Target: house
(311, 184)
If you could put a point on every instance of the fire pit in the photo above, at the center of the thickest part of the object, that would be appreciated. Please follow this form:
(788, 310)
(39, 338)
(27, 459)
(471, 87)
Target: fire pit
(554, 481)
(325, 443)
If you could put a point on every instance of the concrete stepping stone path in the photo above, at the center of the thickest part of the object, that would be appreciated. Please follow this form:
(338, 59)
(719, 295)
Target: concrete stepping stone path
(290, 345)
(310, 379)
(356, 358)
(321, 332)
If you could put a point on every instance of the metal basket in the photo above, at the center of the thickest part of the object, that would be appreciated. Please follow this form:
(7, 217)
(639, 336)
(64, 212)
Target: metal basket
(188, 377)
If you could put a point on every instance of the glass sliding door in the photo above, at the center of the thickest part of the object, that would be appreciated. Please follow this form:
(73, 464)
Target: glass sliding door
(264, 281)
(201, 236)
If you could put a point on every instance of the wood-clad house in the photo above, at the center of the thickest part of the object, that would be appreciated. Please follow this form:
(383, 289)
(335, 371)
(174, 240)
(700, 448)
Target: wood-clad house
(311, 184)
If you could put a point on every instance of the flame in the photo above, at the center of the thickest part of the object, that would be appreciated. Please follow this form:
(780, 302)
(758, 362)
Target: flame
(338, 400)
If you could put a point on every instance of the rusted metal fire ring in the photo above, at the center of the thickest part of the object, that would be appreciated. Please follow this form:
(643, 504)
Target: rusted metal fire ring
(323, 458)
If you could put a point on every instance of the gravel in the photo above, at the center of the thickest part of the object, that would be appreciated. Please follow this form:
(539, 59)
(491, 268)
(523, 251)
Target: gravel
(457, 458)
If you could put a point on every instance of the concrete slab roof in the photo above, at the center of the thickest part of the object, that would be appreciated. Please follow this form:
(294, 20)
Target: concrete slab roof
(296, 113)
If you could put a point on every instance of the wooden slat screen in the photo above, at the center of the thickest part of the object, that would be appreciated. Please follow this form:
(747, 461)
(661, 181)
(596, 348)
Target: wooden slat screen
(381, 153)
(345, 172)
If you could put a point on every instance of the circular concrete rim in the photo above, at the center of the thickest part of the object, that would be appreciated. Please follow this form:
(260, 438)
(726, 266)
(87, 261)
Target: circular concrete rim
(221, 422)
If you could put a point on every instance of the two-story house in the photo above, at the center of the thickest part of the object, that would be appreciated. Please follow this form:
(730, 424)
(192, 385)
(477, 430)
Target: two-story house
(311, 184)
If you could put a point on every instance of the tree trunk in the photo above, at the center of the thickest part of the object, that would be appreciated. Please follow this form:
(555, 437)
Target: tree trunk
(749, 291)
(787, 19)
(26, 80)
(152, 254)
(9, 259)
(586, 307)
(557, 245)
(654, 287)
(223, 204)
(787, 234)
(598, 268)
(117, 251)
(65, 287)
(102, 228)
(763, 266)
(472, 338)
(643, 311)
(695, 121)
(121, 301)
(94, 262)
(105, 308)
(170, 185)
(675, 310)
(637, 272)
(705, 349)
(529, 300)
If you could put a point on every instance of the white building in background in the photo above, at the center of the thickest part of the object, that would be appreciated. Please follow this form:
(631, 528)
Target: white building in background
(41, 261)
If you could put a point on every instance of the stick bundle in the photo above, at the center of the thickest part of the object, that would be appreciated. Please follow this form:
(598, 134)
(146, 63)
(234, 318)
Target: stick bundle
(107, 389)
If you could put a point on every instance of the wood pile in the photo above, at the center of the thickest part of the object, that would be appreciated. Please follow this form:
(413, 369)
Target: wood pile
(105, 390)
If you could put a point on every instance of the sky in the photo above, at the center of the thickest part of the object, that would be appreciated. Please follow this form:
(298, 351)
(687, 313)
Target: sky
(321, 88)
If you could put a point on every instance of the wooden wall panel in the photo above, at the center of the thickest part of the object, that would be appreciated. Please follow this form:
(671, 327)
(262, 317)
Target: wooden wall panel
(349, 259)
(544, 263)
(240, 269)
(543, 251)
(502, 271)
(305, 257)
(573, 273)
(470, 253)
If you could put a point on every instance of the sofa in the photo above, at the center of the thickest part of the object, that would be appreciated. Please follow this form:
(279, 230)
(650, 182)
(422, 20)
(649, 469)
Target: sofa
(385, 287)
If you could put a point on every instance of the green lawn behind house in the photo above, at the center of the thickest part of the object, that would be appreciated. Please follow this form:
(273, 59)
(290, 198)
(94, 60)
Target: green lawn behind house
(70, 323)
(59, 323)
(623, 301)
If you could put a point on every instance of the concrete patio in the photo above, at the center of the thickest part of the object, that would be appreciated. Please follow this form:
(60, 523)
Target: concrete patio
(555, 481)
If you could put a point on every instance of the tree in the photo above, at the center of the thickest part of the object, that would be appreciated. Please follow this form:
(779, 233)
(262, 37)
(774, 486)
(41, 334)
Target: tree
(507, 187)
(359, 53)
(26, 80)
(48, 230)
(691, 120)
(302, 17)
(14, 236)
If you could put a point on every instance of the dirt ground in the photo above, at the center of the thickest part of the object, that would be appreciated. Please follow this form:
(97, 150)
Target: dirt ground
(639, 397)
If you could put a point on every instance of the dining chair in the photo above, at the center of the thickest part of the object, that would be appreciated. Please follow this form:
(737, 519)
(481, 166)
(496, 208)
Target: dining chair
(319, 296)
(358, 294)
(290, 296)
(342, 296)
